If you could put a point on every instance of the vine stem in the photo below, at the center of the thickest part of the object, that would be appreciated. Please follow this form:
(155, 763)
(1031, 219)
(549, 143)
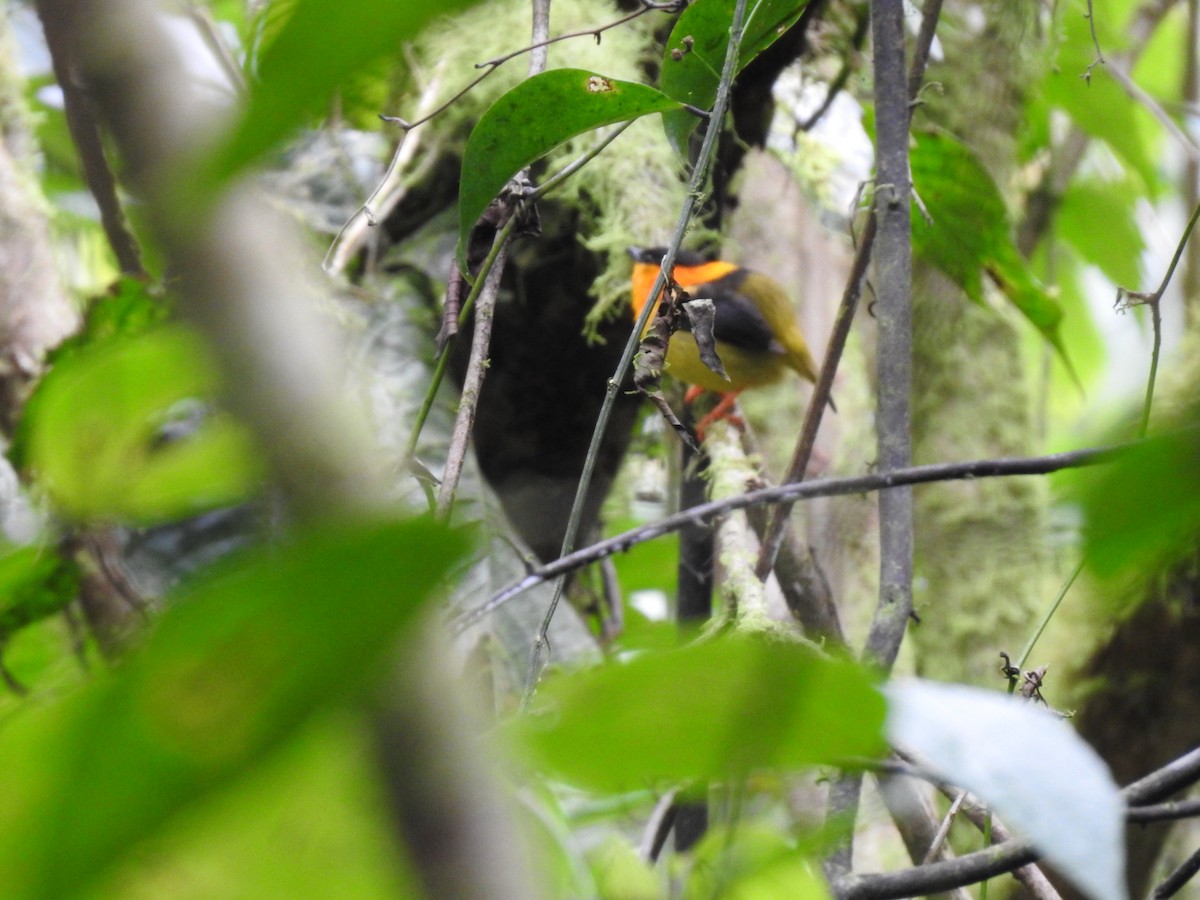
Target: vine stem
(695, 187)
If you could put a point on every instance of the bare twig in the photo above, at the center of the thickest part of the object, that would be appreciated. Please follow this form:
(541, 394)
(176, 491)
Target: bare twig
(943, 831)
(491, 65)
(1002, 858)
(489, 289)
(773, 539)
(1164, 812)
(672, 6)
(1175, 776)
(1173, 883)
(791, 493)
(1135, 91)
(1154, 300)
(1099, 60)
(390, 191)
(85, 133)
(541, 36)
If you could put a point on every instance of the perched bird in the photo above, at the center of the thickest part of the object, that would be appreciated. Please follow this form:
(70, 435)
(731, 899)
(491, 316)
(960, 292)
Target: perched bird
(756, 332)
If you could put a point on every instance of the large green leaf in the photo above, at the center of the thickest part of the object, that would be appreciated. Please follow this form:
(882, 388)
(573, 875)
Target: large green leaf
(238, 662)
(1099, 105)
(128, 308)
(1116, 249)
(98, 432)
(695, 53)
(967, 233)
(318, 48)
(532, 119)
(1143, 511)
(715, 709)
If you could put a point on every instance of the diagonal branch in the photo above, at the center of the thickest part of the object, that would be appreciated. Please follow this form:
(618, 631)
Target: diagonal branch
(792, 493)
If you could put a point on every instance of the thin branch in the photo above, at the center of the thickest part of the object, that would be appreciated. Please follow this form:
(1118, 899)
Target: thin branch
(541, 37)
(695, 187)
(443, 360)
(892, 210)
(1135, 91)
(481, 339)
(578, 163)
(85, 133)
(672, 6)
(390, 191)
(937, 877)
(1099, 60)
(1175, 776)
(491, 65)
(1002, 858)
(207, 26)
(1164, 812)
(773, 539)
(792, 493)
(1045, 620)
(1154, 301)
(935, 847)
(1173, 883)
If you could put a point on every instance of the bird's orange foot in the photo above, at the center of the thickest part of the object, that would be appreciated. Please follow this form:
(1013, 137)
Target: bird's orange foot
(722, 411)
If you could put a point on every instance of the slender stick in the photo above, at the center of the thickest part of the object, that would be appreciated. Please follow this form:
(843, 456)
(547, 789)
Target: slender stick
(772, 541)
(792, 493)
(695, 186)
(460, 437)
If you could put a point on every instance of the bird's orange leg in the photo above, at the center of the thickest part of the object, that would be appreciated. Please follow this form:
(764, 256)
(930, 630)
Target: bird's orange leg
(723, 410)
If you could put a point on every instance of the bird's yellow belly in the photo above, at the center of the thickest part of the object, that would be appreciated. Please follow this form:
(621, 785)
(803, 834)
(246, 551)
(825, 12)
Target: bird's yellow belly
(745, 369)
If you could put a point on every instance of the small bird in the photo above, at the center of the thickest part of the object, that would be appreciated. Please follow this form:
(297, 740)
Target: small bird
(757, 335)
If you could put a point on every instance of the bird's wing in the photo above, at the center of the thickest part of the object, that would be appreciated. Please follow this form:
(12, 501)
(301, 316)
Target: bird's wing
(737, 321)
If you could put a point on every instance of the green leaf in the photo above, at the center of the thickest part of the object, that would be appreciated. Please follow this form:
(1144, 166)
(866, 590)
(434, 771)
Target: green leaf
(238, 662)
(129, 307)
(967, 231)
(1143, 511)
(95, 432)
(1116, 249)
(715, 709)
(314, 52)
(692, 78)
(34, 583)
(320, 792)
(752, 861)
(1101, 108)
(532, 119)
